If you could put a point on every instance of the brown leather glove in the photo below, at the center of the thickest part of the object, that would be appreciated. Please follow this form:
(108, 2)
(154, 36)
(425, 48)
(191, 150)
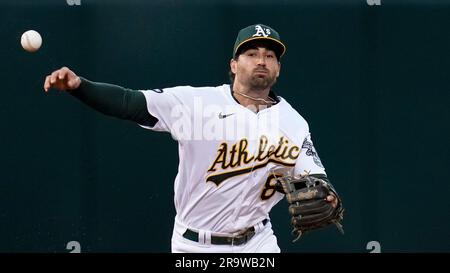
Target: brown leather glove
(309, 208)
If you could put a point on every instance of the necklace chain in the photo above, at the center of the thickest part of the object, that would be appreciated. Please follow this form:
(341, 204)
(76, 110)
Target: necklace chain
(270, 101)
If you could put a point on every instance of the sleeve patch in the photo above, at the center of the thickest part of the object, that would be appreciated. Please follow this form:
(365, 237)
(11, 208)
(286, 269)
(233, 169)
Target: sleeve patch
(311, 151)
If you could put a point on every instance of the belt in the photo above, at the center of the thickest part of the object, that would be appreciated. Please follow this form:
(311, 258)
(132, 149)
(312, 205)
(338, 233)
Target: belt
(224, 240)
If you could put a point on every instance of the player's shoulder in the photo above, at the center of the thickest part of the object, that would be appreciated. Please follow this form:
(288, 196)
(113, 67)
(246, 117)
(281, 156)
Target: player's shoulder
(195, 89)
(293, 114)
(189, 93)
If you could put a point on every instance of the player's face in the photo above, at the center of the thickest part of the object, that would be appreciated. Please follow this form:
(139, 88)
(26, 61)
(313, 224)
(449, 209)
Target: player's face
(256, 68)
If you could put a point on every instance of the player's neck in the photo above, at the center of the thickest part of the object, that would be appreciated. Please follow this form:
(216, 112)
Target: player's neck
(250, 97)
(248, 90)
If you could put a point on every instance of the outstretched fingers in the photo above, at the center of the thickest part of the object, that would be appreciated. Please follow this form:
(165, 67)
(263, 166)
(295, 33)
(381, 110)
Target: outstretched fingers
(47, 83)
(62, 79)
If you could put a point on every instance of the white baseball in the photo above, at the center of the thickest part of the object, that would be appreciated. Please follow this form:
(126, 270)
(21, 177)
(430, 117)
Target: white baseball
(31, 40)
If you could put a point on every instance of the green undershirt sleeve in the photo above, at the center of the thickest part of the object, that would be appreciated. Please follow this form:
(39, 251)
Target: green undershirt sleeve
(114, 100)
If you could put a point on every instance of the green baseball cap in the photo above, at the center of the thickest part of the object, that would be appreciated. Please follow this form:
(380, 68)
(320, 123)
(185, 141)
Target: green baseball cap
(259, 32)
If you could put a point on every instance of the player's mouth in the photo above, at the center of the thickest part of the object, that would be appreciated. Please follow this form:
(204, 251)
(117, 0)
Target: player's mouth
(261, 71)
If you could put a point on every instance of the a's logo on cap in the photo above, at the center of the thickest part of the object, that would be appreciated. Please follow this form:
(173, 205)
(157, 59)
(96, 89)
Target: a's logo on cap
(261, 32)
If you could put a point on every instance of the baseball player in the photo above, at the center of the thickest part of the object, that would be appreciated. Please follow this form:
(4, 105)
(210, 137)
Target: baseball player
(235, 141)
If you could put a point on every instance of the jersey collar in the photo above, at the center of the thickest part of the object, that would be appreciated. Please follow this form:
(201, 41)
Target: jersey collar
(272, 95)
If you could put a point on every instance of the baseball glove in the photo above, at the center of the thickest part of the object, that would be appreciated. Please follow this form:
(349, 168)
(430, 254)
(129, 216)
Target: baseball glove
(308, 207)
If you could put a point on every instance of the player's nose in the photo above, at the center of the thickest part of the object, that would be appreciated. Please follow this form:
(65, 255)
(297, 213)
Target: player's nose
(261, 60)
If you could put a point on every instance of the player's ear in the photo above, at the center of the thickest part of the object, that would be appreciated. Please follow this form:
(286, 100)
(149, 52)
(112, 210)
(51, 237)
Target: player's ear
(233, 66)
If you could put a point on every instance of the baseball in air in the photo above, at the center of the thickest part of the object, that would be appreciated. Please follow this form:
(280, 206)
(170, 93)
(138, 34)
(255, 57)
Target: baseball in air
(31, 40)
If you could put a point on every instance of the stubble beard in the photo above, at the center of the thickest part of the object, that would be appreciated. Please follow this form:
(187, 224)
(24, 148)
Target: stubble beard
(262, 83)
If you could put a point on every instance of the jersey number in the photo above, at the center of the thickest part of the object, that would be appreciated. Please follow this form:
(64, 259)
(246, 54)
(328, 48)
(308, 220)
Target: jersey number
(269, 187)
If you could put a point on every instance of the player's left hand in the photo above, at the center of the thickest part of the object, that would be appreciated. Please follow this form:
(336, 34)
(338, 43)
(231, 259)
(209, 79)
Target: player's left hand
(333, 200)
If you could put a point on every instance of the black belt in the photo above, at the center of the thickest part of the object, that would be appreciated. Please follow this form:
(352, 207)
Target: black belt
(223, 240)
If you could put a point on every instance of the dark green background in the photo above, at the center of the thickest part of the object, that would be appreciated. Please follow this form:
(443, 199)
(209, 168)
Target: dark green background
(373, 82)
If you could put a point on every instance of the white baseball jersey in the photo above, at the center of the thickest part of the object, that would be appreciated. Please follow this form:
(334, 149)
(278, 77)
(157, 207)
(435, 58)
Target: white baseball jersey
(229, 155)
